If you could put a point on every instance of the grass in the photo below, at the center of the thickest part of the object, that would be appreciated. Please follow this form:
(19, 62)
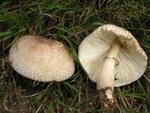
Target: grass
(70, 21)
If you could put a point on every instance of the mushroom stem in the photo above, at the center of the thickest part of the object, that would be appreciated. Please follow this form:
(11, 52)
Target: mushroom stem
(105, 81)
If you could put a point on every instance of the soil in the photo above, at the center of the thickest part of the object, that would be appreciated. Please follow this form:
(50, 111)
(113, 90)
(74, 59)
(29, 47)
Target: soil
(14, 102)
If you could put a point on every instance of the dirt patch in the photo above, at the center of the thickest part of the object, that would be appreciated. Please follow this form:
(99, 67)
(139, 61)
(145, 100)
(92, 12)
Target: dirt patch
(14, 102)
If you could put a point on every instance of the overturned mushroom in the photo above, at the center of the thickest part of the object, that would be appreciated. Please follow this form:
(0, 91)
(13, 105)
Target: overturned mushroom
(112, 57)
(41, 59)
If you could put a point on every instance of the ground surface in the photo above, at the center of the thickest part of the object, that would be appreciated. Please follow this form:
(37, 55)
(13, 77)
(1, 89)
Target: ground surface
(69, 21)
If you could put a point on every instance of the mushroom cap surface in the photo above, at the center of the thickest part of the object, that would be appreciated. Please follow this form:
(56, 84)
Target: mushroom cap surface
(94, 48)
(41, 59)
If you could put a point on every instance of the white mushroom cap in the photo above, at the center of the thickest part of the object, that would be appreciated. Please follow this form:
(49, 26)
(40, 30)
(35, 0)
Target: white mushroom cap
(41, 59)
(94, 48)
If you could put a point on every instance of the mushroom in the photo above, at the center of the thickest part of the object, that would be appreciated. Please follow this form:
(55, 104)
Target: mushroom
(41, 59)
(112, 57)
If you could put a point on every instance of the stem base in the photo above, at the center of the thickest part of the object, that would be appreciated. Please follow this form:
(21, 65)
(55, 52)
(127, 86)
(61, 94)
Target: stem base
(107, 104)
